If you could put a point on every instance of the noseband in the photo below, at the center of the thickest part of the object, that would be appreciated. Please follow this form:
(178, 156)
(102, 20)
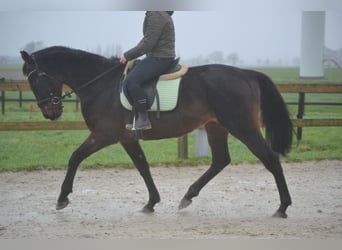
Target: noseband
(53, 99)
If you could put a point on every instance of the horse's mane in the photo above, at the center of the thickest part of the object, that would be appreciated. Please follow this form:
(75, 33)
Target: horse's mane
(60, 53)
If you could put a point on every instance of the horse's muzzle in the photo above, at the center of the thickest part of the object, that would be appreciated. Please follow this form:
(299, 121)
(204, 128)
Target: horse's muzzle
(52, 111)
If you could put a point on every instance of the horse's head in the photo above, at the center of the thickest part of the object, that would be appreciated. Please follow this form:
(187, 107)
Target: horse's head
(47, 89)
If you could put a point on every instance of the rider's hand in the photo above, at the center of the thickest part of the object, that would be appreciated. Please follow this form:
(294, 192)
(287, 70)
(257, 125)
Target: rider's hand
(123, 60)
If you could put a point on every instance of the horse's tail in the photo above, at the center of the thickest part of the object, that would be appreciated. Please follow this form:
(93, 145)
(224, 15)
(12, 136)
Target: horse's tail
(275, 116)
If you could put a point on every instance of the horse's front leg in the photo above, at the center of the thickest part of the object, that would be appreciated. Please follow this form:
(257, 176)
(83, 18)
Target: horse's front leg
(90, 145)
(137, 155)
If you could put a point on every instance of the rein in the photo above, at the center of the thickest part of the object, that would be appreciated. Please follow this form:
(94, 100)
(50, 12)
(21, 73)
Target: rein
(68, 94)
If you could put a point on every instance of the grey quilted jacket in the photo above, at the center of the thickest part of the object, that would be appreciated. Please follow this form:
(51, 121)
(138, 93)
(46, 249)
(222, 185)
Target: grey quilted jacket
(159, 37)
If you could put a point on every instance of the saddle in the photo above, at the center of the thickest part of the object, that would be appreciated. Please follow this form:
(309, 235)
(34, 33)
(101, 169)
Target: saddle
(165, 87)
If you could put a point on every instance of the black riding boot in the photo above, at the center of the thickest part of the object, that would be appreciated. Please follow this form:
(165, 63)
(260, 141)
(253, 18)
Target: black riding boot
(140, 122)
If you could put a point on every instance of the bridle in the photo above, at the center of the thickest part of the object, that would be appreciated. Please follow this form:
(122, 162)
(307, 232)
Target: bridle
(53, 98)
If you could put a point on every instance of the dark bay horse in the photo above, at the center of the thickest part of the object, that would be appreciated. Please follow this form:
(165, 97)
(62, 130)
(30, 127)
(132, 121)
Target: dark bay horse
(224, 99)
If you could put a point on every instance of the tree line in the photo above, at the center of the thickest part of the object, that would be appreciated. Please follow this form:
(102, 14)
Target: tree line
(332, 58)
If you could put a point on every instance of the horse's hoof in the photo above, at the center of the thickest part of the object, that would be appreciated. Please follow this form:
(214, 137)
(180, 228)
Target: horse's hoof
(147, 210)
(184, 203)
(280, 214)
(62, 204)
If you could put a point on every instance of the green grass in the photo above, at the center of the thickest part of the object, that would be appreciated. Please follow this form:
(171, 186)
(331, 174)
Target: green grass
(290, 75)
(10, 67)
(52, 149)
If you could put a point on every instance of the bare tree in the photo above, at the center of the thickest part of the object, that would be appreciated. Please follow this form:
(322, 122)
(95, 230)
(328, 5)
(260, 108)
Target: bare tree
(216, 57)
(333, 57)
(233, 59)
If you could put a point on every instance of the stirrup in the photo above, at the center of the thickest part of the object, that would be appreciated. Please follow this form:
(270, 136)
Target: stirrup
(131, 126)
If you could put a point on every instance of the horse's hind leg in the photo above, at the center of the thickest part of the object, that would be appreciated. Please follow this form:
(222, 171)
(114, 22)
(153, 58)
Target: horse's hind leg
(257, 144)
(217, 138)
(137, 155)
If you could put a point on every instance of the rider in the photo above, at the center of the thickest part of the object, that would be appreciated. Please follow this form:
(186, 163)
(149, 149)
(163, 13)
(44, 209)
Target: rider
(158, 44)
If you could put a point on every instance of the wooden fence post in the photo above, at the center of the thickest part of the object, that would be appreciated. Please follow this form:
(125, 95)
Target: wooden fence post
(20, 99)
(183, 147)
(300, 114)
(2, 102)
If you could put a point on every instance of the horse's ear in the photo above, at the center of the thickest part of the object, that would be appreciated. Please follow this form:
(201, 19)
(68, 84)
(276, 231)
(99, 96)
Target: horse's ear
(27, 58)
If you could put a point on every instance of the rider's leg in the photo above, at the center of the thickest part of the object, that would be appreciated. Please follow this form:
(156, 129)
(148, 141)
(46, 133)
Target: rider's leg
(146, 70)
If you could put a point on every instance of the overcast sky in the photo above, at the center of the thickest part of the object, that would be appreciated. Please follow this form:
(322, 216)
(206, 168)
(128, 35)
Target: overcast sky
(254, 29)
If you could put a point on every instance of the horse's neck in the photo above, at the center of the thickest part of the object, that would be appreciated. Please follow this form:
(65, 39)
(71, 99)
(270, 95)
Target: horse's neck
(86, 84)
(76, 72)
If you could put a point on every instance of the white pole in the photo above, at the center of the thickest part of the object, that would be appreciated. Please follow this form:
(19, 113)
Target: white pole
(312, 44)
(201, 143)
